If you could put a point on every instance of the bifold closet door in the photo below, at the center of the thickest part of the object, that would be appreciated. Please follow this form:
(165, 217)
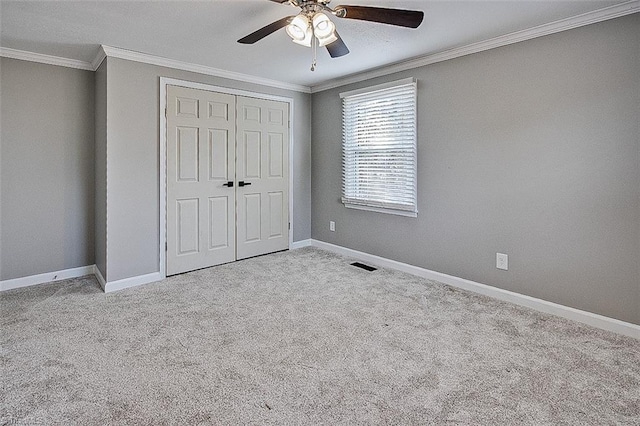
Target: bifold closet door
(262, 173)
(201, 197)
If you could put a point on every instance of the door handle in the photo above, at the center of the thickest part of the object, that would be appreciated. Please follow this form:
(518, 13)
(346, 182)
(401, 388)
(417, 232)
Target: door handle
(243, 183)
(229, 184)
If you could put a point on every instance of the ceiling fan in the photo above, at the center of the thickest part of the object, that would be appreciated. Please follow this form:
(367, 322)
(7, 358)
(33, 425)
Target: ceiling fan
(313, 27)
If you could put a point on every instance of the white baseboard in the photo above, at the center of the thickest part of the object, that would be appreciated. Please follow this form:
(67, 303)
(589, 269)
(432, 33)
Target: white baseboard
(131, 282)
(589, 318)
(79, 272)
(300, 244)
(47, 277)
(99, 277)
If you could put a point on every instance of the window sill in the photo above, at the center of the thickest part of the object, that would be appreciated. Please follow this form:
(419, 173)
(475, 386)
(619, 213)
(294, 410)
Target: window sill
(381, 210)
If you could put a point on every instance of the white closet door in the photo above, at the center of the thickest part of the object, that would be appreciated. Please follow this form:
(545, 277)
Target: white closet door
(201, 203)
(263, 167)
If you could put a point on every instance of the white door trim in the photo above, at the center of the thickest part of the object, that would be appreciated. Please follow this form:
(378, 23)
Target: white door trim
(164, 81)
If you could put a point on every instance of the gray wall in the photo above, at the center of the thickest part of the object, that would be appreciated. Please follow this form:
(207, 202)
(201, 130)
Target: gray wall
(46, 168)
(101, 168)
(531, 149)
(133, 162)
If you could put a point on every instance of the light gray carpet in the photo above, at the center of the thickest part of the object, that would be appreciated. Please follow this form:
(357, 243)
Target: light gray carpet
(303, 338)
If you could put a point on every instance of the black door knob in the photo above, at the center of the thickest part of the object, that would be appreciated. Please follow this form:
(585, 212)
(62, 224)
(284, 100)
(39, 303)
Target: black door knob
(243, 183)
(229, 184)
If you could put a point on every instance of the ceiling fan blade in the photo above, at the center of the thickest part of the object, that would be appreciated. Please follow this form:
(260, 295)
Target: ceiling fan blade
(337, 48)
(399, 17)
(280, 1)
(265, 31)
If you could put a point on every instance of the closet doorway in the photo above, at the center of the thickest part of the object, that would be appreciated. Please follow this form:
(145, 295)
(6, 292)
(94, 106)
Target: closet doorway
(227, 177)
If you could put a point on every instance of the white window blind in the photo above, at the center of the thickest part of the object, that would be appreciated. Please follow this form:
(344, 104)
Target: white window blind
(379, 149)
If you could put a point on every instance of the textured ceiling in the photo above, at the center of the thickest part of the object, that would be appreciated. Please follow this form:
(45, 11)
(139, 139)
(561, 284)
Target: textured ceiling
(205, 32)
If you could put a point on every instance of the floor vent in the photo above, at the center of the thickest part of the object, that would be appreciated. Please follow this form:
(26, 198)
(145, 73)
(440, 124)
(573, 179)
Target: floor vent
(363, 266)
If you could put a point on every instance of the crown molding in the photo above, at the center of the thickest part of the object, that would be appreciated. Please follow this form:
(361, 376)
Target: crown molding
(104, 51)
(129, 55)
(109, 51)
(100, 56)
(588, 18)
(23, 55)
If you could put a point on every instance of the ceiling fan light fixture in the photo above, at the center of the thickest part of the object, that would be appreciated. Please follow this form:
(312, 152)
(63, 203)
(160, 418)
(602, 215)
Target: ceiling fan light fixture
(312, 26)
(322, 25)
(300, 30)
(324, 29)
(328, 39)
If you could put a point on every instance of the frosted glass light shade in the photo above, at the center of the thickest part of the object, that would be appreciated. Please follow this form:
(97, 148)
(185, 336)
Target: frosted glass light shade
(300, 30)
(322, 25)
(327, 40)
(324, 29)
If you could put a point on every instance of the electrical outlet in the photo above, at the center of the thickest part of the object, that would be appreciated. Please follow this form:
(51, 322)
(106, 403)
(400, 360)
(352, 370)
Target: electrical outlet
(502, 261)
(332, 226)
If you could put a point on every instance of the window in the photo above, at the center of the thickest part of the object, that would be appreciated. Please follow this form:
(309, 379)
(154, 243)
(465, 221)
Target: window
(379, 148)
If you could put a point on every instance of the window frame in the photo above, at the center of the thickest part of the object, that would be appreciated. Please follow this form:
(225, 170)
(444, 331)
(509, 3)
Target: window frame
(411, 210)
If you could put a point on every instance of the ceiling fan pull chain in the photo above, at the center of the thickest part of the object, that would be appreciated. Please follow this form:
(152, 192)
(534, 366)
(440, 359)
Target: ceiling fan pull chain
(314, 50)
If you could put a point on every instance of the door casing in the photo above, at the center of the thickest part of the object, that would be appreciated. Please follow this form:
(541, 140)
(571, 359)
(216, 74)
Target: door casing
(164, 81)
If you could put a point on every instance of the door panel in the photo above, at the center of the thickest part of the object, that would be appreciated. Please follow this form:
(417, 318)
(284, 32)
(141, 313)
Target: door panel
(251, 114)
(219, 222)
(275, 155)
(218, 110)
(250, 167)
(187, 226)
(276, 116)
(275, 213)
(251, 220)
(187, 106)
(263, 158)
(218, 154)
(201, 143)
(187, 153)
